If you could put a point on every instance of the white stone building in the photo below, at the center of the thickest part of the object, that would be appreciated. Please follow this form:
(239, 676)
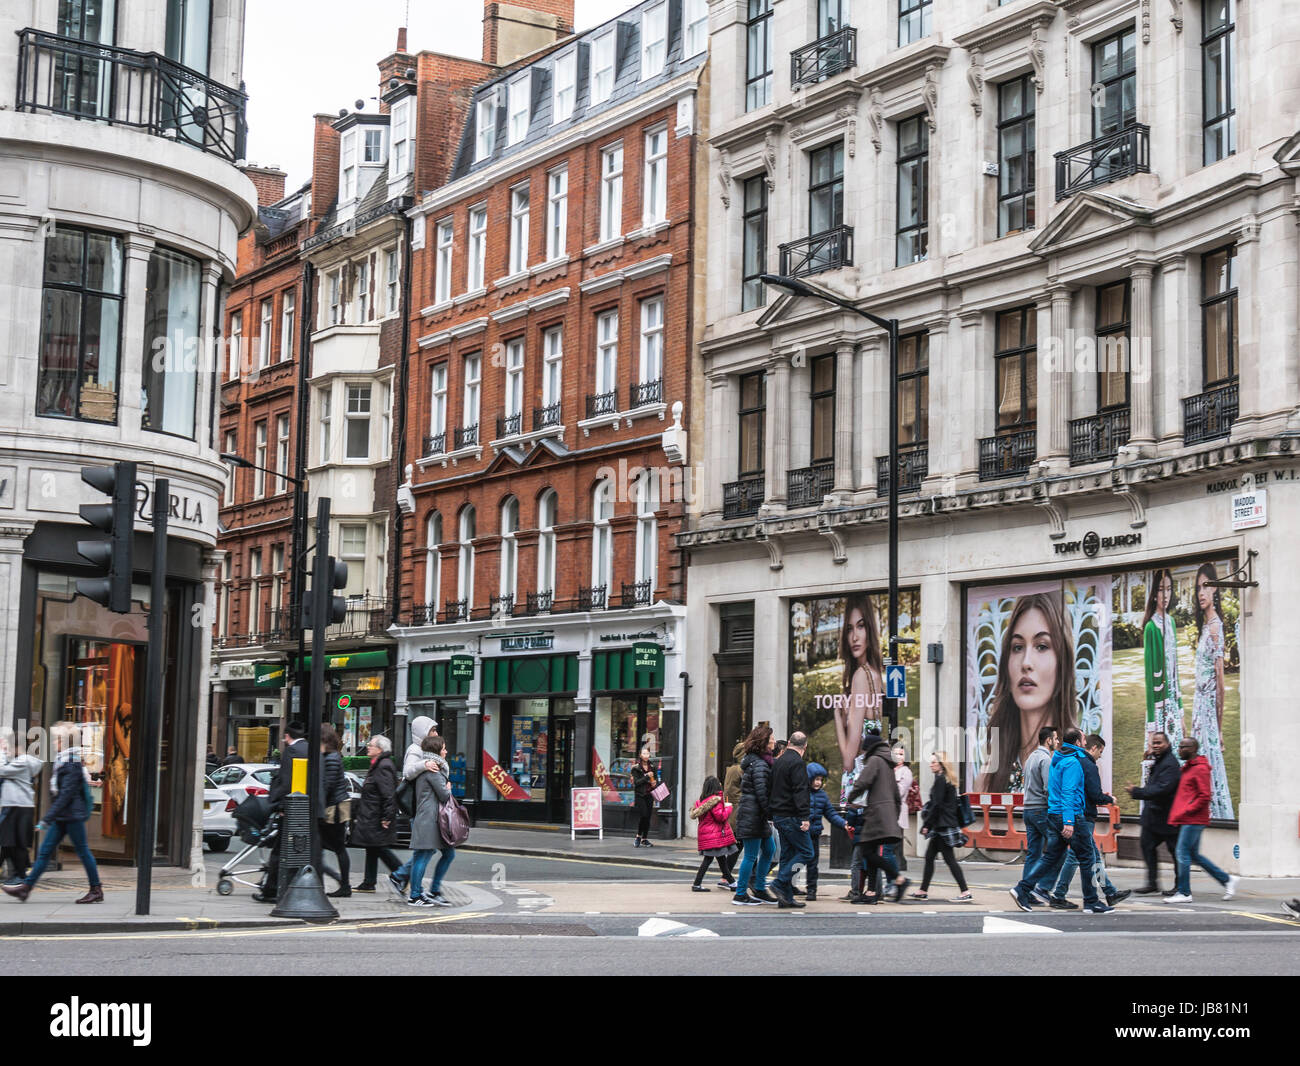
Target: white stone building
(120, 209)
(1084, 217)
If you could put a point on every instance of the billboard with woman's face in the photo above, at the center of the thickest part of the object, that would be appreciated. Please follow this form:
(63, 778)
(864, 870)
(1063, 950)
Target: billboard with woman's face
(1118, 655)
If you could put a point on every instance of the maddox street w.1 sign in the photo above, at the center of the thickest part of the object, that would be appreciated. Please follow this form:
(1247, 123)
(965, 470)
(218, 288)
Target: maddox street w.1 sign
(1250, 510)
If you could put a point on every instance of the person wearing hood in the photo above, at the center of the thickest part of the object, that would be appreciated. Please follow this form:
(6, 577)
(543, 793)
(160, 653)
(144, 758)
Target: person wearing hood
(1066, 827)
(715, 839)
(875, 785)
(416, 761)
(819, 808)
(17, 807)
(1191, 813)
(731, 782)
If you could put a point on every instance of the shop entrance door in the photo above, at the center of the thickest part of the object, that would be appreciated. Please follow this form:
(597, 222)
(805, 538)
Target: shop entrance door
(560, 770)
(735, 709)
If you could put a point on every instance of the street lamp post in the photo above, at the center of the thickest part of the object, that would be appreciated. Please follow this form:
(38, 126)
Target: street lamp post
(797, 287)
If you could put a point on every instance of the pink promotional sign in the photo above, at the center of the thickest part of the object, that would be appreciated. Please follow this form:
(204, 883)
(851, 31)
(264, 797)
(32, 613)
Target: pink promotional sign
(585, 811)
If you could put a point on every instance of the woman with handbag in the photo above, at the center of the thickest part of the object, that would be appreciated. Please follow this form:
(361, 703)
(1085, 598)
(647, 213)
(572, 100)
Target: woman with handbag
(431, 792)
(875, 788)
(644, 782)
(375, 825)
(941, 823)
(338, 807)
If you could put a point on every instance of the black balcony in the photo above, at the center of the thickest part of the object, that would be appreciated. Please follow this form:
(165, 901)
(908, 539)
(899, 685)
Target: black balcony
(1099, 436)
(540, 602)
(1008, 454)
(742, 498)
(640, 393)
(913, 465)
(456, 611)
(1210, 415)
(510, 425)
(1104, 160)
(467, 436)
(602, 403)
(424, 614)
(591, 599)
(822, 251)
(122, 87)
(501, 606)
(367, 616)
(808, 486)
(824, 58)
(546, 416)
(637, 594)
(435, 444)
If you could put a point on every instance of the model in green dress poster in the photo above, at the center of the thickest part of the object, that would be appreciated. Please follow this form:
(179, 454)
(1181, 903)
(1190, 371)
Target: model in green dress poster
(1160, 651)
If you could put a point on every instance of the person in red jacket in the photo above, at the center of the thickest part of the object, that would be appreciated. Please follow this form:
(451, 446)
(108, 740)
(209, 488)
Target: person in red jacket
(716, 840)
(1191, 814)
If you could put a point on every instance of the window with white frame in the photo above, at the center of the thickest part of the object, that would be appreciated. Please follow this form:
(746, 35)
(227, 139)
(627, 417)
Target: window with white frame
(758, 55)
(654, 40)
(519, 229)
(602, 68)
(602, 540)
(228, 497)
(515, 379)
(362, 271)
(553, 365)
(465, 558)
(565, 87)
(477, 248)
(695, 17)
(264, 335)
(277, 585)
(557, 212)
(519, 95)
(485, 126)
(385, 418)
(357, 418)
(236, 343)
(442, 283)
(913, 20)
(432, 562)
(647, 534)
(223, 597)
(470, 407)
(607, 352)
(326, 414)
(655, 194)
(259, 460)
(335, 283)
(438, 411)
(509, 547)
(281, 451)
(546, 511)
(254, 591)
(652, 340)
(392, 277)
(611, 193)
(400, 159)
(348, 166)
(288, 304)
(374, 146)
(352, 550)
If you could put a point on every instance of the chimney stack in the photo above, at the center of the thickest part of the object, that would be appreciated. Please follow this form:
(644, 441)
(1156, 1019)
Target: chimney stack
(269, 183)
(511, 30)
(324, 165)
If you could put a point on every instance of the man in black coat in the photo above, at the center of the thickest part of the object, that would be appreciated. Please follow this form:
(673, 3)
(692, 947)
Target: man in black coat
(1158, 796)
(295, 747)
(791, 807)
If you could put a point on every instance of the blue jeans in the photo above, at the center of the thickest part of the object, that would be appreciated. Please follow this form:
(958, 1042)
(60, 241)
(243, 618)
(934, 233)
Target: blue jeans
(1062, 887)
(1054, 852)
(74, 831)
(1036, 834)
(440, 871)
(1189, 850)
(758, 849)
(416, 866)
(796, 849)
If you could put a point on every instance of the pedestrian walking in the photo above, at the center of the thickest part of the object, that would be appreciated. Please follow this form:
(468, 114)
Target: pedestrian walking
(903, 775)
(791, 815)
(374, 823)
(1036, 769)
(1157, 796)
(941, 826)
(731, 782)
(338, 807)
(753, 828)
(431, 792)
(232, 757)
(295, 747)
(66, 817)
(644, 781)
(715, 839)
(875, 785)
(819, 809)
(1191, 813)
(415, 762)
(18, 775)
(1094, 746)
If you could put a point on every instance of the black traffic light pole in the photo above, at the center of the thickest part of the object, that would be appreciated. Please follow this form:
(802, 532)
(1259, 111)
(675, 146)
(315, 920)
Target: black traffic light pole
(150, 735)
(320, 602)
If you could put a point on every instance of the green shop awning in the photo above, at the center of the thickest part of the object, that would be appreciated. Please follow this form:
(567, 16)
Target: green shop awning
(356, 660)
(616, 671)
(535, 675)
(428, 680)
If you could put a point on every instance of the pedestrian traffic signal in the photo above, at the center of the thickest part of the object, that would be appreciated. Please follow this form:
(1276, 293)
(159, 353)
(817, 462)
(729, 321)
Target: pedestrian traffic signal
(113, 556)
(332, 609)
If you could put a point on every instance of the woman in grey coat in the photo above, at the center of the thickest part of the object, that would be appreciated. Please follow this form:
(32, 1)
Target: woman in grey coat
(17, 807)
(431, 792)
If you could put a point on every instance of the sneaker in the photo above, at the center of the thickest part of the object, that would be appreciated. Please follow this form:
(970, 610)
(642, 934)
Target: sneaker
(1169, 892)
(646, 844)
(340, 893)
(1120, 896)
(1097, 908)
(1062, 904)
(364, 887)
(898, 891)
(745, 901)
(420, 901)
(1042, 897)
(763, 896)
(637, 842)
(921, 895)
(20, 891)
(727, 884)
(1291, 907)
(438, 899)
(698, 888)
(1178, 897)
(1022, 901)
(789, 902)
(397, 884)
(811, 896)
(1231, 889)
(965, 897)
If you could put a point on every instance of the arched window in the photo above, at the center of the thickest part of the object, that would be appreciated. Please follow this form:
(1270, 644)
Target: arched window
(646, 490)
(602, 541)
(509, 547)
(432, 563)
(465, 559)
(546, 511)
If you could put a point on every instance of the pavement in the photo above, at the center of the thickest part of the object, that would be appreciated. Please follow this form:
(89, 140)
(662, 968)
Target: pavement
(184, 901)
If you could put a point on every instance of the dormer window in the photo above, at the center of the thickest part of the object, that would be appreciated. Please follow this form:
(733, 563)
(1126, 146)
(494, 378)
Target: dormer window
(485, 124)
(518, 101)
(602, 67)
(348, 166)
(565, 77)
(654, 40)
(374, 146)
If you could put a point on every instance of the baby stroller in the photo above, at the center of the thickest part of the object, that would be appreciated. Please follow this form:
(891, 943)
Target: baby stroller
(259, 830)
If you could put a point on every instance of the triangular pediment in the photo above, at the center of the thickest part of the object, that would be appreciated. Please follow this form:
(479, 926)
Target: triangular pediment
(1089, 216)
(1288, 156)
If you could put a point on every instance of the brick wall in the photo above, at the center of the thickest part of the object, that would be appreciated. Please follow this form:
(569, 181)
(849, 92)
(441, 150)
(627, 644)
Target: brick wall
(498, 24)
(324, 166)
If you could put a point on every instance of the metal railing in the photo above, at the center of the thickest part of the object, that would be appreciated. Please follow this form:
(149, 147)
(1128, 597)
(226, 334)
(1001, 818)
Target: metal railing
(435, 444)
(456, 611)
(1209, 415)
(640, 393)
(367, 616)
(466, 436)
(742, 498)
(1008, 454)
(1106, 159)
(591, 599)
(602, 403)
(1098, 436)
(501, 606)
(807, 486)
(637, 594)
(123, 87)
(546, 416)
(913, 465)
(510, 425)
(821, 251)
(539, 602)
(424, 614)
(825, 57)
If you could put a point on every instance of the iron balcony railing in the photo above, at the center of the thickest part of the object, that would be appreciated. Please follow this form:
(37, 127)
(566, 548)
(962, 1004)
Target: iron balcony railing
(829, 250)
(1107, 159)
(424, 614)
(1098, 436)
(825, 57)
(510, 425)
(501, 606)
(467, 436)
(591, 599)
(367, 616)
(636, 594)
(456, 611)
(435, 444)
(602, 403)
(123, 87)
(546, 416)
(539, 602)
(1008, 454)
(742, 498)
(641, 393)
(808, 486)
(913, 465)
(1210, 415)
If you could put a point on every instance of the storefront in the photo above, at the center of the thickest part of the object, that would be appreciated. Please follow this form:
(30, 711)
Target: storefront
(359, 686)
(247, 706)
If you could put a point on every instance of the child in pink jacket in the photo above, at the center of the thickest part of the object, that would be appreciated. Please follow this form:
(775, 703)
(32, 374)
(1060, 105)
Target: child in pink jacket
(716, 840)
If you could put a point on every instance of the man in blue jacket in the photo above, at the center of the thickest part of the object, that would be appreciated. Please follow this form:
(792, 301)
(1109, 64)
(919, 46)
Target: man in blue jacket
(1059, 885)
(1067, 828)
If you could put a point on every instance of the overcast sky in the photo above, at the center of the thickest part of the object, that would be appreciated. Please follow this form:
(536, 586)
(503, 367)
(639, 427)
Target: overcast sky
(305, 56)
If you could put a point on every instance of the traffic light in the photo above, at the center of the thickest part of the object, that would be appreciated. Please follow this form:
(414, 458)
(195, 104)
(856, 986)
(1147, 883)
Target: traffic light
(335, 608)
(117, 519)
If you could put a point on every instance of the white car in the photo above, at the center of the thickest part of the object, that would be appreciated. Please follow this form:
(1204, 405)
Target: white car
(243, 779)
(218, 821)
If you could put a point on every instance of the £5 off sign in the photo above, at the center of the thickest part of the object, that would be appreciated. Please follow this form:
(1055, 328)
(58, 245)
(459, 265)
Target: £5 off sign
(585, 808)
(505, 784)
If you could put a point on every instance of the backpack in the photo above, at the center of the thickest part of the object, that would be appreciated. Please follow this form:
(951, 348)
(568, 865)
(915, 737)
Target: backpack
(405, 797)
(453, 823)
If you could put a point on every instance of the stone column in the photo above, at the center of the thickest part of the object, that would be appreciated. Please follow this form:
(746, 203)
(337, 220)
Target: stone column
(720, 446)
(1055, 363)
(134, 347)
(210, 328)
(777, 459)
(875, 410)
(966, 415)
(844, 481)
(12, 535)
(208, 576)
(584, 721)
(1141, 370)
(1177, 352)
(1250, 318)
